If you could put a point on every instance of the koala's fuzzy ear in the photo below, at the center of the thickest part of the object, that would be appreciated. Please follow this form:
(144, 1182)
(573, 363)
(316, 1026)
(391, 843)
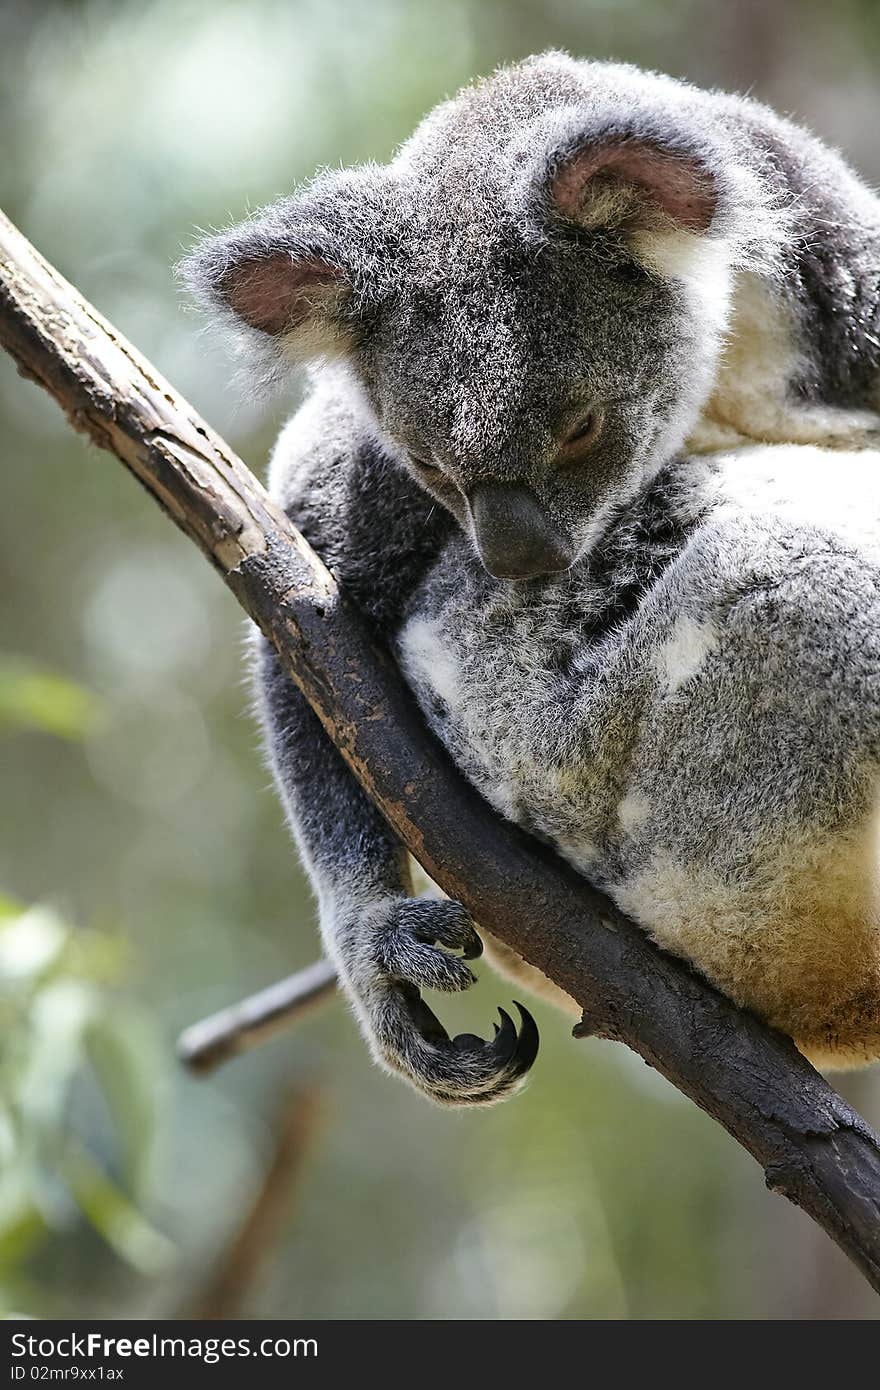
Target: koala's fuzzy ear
(656, 178)
(657, 175)
(273, 281)
(277, 292)
(295, 282)
(627, 180)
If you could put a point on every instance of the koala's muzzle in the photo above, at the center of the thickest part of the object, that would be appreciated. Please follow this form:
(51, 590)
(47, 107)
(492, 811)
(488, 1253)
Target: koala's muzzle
(515, 537)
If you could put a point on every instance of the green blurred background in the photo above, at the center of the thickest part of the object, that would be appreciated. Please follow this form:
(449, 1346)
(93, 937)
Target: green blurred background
(149, 877)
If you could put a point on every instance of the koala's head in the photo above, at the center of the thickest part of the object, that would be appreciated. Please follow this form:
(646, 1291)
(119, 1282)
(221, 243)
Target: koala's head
(525, 296)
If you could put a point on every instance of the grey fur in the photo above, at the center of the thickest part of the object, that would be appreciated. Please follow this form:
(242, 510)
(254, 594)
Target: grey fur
(707, 748)
(469, 305)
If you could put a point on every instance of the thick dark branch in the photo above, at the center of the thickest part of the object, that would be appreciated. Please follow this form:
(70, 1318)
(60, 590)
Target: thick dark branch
(814, 1148)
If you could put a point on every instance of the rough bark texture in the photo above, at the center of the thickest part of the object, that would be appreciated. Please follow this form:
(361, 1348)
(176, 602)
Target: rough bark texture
(813, 1147)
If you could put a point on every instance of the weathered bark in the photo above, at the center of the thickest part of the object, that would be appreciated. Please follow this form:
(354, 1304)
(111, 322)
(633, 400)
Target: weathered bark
(813, 1147)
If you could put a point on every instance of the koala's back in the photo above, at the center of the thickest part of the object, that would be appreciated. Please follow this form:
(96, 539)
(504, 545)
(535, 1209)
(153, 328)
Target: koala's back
(708, 749)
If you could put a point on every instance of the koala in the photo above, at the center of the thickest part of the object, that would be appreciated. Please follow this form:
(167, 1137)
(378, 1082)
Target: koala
(579, 355)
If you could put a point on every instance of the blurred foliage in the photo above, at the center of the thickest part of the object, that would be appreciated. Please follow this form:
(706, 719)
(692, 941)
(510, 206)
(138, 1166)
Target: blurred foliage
(32, 697)
(601, 1193)
(64, 1028)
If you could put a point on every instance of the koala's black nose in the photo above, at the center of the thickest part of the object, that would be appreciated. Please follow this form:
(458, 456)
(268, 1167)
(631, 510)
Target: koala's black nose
(515, 536)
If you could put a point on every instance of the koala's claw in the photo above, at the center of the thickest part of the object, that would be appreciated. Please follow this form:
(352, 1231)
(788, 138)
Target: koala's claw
(409, 947)
(464, 1070)
(513, 1054)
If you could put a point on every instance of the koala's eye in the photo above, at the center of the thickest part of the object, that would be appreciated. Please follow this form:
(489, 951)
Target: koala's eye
(424, 465)
(629, 272)
(584, 433)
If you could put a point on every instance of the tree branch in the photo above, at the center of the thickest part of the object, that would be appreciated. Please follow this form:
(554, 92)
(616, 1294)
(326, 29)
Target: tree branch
(215, 1039)
(813, 1147)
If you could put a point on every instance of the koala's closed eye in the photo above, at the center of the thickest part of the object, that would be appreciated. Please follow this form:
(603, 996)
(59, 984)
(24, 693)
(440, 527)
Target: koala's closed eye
(424, 464)
(629, 272)
(582, 435)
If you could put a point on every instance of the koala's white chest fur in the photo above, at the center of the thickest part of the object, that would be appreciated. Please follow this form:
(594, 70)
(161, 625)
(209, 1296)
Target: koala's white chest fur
(515, 690)
(709, 751)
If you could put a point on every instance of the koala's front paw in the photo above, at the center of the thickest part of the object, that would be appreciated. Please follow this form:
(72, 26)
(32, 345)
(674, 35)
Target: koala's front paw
(413, 942)
(408, 945)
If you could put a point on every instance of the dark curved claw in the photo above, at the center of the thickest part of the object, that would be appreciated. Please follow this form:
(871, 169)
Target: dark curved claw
(423, 1017)
(529, 1038)
(506, 1038)
(514, 1053)
(474, 950)
(465, 1070)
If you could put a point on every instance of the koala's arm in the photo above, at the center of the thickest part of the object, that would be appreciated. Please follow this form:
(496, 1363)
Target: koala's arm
(376, 531)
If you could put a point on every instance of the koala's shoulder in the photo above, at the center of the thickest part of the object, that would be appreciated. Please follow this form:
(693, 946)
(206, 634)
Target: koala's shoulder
(338, 482)
(317, 442)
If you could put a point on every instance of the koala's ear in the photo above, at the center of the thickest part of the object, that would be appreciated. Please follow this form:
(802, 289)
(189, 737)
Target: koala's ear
(276, 292)
(627, 179)
(275, 281)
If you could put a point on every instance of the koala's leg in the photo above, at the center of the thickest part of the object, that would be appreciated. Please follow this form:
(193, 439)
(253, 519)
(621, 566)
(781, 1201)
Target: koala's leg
(385, 944)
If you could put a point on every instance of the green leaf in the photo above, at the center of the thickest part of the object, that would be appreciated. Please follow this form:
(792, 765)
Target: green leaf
(114, 1217)
(22, 1223)
(59, 1017)
(33, 697)
(129, 1066)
